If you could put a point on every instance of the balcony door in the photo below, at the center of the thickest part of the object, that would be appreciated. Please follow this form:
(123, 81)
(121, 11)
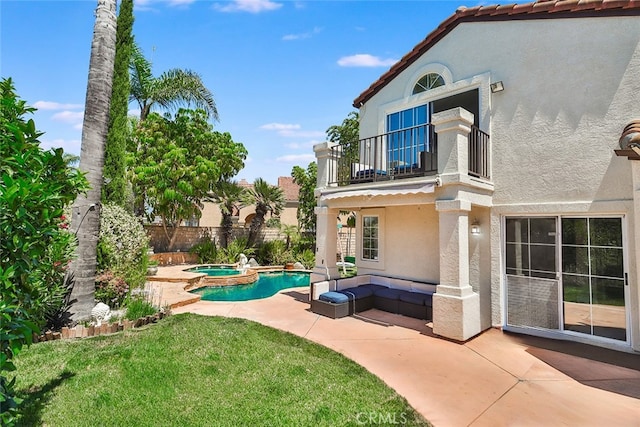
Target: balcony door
(409, 133)
(567, 274)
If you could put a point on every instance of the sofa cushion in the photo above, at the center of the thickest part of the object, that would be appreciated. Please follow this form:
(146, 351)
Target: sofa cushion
(357, 292)
(334, 297)
(389, 293)
(415, 298)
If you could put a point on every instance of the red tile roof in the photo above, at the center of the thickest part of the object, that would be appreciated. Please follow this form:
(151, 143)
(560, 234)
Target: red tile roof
(542, 9)
(290, 188)
(285, 183)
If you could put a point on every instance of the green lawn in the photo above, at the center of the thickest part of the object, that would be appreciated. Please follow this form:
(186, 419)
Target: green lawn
(191, 370)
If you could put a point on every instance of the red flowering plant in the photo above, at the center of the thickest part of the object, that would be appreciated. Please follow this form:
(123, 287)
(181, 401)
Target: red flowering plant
(111, 289)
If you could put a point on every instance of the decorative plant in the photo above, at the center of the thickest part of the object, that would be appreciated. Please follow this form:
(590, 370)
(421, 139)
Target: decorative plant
(35, 187)
(111, 289)
(123, 245)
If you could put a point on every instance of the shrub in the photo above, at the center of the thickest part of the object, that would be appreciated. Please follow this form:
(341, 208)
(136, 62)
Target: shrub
(274, 252)
(123, 245)
(307, 257)
(206, 250)
(138, 307)
(111, 289)
(35, 247)
(232, 252)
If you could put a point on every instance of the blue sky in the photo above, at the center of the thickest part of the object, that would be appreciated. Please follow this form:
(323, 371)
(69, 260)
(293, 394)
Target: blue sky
(282, 72)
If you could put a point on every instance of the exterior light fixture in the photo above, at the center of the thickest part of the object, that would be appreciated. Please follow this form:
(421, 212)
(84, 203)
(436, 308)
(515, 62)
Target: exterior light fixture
(496, 87)
(475, 228)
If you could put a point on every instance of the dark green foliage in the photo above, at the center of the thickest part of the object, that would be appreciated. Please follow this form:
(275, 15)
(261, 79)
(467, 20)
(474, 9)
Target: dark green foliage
(346, 135)
(307, 180)
(115, 188)
(176, 163)
(273, 252)
(170, 90)
(206, 249)
(36, 247)
(268, 199)
(230, 198)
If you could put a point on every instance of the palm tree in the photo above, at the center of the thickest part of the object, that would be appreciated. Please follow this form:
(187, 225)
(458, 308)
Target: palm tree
(86, 209)
(171, 89)
(268, 199)
(230, 197)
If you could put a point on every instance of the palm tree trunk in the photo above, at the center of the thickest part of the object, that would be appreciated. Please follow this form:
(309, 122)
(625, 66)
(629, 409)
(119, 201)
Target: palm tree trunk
(86, 209)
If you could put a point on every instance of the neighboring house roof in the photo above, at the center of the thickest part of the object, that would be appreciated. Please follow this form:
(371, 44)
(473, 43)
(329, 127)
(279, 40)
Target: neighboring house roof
(285, 183)
(542, 9)
(290, 188)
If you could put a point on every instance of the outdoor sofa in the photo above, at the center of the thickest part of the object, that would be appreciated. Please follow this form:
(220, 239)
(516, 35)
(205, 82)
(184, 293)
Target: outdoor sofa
(344, 297)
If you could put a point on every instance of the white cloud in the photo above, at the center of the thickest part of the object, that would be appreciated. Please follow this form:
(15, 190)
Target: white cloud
(365, 60)
(302, 145)
(279, 127)
(134, 112)
(50, 105)
(72, 117)
(251, 6)
(296, 158)
(70, 146)
(301, 36)
(292, 130)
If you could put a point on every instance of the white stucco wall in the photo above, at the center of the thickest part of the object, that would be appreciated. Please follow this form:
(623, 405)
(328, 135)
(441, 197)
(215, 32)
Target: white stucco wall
(571, 85)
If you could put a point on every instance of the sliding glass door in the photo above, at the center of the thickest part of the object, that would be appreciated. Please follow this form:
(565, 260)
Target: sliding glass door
(572, 280)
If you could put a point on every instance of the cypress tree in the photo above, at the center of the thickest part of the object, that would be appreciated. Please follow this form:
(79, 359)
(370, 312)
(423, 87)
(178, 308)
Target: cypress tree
(115, 188)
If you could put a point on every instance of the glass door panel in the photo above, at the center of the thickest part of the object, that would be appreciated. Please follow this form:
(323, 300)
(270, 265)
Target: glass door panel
(593, 277)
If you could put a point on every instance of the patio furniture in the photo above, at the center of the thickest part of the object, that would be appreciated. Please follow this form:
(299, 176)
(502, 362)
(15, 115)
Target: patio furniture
(331, 304)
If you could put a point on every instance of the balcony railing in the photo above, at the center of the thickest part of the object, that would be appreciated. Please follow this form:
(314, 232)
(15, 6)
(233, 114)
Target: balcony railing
(479, 153)
(406, 153)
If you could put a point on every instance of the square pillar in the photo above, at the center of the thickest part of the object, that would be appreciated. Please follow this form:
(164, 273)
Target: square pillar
(456, 307)
(326, 244)
(453, 127)
(327, 154)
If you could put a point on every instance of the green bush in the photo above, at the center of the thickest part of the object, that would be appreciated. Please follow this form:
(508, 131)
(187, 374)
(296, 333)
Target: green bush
(206, 250)
(232, 252)
(307, 258)
(123, 245)
(111, 289)
(35, 247)
(138, 307)
(274, 252)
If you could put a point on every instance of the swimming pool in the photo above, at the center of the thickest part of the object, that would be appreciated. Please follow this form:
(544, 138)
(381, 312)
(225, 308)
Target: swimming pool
(215, 270)
(268, 284)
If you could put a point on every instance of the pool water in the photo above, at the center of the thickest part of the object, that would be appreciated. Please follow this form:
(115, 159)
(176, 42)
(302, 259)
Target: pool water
(215, 270)
(268, 284)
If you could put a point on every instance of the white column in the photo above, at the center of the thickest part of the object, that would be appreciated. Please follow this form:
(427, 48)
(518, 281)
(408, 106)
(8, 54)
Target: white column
(456, 308)
(326, 244)
(327, 154)
(453, 127)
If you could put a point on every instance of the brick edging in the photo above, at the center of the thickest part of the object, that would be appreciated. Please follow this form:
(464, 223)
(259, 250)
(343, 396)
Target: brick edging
(81, 331)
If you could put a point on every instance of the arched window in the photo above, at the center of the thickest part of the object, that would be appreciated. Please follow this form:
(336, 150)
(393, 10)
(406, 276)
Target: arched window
(428, 82)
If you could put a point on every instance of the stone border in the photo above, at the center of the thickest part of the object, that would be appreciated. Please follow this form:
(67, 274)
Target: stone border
(81, 331)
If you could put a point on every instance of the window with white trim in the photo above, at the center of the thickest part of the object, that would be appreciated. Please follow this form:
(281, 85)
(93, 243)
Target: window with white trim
(370, 237)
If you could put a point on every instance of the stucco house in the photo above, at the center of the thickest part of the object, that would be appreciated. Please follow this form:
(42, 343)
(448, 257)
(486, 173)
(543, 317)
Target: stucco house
(211, 215)
(497, 162)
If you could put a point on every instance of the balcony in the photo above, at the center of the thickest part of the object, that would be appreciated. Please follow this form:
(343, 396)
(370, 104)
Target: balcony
(407, 153)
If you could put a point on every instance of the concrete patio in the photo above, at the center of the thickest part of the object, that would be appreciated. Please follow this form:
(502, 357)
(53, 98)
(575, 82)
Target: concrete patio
(495, 379)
